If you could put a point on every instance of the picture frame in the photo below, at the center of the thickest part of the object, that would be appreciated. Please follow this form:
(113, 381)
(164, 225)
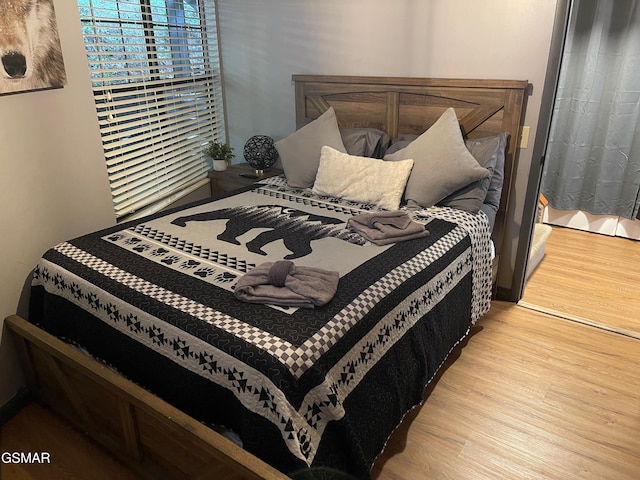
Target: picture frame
(30, 51)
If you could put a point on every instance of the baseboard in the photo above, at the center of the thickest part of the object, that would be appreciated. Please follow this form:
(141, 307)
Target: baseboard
(13, 406)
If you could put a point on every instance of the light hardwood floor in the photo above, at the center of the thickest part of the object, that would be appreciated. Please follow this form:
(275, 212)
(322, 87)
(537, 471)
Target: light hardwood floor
(531, 396)
(589, 277)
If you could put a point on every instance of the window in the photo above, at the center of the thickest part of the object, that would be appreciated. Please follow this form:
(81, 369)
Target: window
(155, 72)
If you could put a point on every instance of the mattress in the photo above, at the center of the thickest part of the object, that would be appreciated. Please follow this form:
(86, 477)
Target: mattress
(154, 299)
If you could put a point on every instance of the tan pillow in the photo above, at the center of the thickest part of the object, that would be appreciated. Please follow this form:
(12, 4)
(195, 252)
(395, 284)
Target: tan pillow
(300, 151)
(362, 179)
(442, 163)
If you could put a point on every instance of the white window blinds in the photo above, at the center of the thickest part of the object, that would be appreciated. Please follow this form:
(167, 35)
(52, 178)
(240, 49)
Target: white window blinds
(155, 72)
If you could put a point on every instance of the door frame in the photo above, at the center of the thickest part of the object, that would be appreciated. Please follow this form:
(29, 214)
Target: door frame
(558, 38)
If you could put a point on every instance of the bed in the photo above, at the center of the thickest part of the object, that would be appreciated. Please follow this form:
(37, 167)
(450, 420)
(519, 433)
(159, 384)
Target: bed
(188, 372)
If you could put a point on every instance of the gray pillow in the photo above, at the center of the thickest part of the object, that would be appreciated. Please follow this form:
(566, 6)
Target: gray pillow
(399, 143)
(485, 151)
(300, 151)
(491, 214)
(442, 165)
(497, 179)
(365, 142)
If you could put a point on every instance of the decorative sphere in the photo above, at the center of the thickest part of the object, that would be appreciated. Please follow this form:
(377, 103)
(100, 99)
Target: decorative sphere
(260, 152)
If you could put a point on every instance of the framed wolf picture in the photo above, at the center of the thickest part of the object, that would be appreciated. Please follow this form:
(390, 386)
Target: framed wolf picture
(30, 53)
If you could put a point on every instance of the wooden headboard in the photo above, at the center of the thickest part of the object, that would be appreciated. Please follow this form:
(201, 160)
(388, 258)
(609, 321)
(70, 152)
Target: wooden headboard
(402, 105)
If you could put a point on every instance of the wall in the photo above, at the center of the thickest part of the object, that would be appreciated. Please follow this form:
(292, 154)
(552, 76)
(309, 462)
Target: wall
(263, 43)
(53, 183)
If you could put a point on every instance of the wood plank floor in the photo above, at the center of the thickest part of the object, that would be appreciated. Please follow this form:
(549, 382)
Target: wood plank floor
(74, 456)
(531, 396)
(590, 277)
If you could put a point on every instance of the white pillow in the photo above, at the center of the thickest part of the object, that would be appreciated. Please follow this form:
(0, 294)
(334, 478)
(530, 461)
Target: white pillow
(362, 179)
(300, 151)
(443, 164)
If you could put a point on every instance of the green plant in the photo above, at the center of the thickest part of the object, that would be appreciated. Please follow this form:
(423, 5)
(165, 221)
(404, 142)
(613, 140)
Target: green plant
(219, 151)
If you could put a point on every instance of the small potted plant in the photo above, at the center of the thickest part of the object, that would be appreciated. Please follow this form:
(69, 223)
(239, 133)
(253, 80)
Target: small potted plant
(220, 153)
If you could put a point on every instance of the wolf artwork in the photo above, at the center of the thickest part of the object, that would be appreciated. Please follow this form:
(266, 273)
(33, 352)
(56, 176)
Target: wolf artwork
(30, 53)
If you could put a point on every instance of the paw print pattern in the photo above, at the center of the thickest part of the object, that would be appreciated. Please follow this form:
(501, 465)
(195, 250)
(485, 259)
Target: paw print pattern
(225, 277)
(189, 264)
(205, 272)
(171, 259)
(143, 247)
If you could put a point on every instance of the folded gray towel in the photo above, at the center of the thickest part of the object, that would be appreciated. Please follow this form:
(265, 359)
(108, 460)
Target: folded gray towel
(283, 283)
(383, 228)
(394, 218)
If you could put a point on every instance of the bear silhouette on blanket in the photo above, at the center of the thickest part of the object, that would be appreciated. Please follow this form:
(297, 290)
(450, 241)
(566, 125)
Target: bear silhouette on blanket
(296, 228)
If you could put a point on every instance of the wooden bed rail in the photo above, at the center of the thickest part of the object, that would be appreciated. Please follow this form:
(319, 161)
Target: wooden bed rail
(155, 439)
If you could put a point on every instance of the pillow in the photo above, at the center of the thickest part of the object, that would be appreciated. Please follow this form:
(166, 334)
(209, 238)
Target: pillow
(497, 179)
(491, 212)
(442, 162)
(300, 151)
(362, 179)
(485, 151)
(365, 142)
(400, 142)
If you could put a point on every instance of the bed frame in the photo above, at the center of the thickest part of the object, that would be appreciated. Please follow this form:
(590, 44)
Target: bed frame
(411, 105)
(161, 442)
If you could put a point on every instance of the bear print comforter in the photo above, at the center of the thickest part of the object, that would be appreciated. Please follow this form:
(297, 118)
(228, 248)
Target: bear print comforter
(301, 387)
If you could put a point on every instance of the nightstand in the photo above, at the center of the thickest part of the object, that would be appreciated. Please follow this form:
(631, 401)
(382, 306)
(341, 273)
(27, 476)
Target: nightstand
(236, 176)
